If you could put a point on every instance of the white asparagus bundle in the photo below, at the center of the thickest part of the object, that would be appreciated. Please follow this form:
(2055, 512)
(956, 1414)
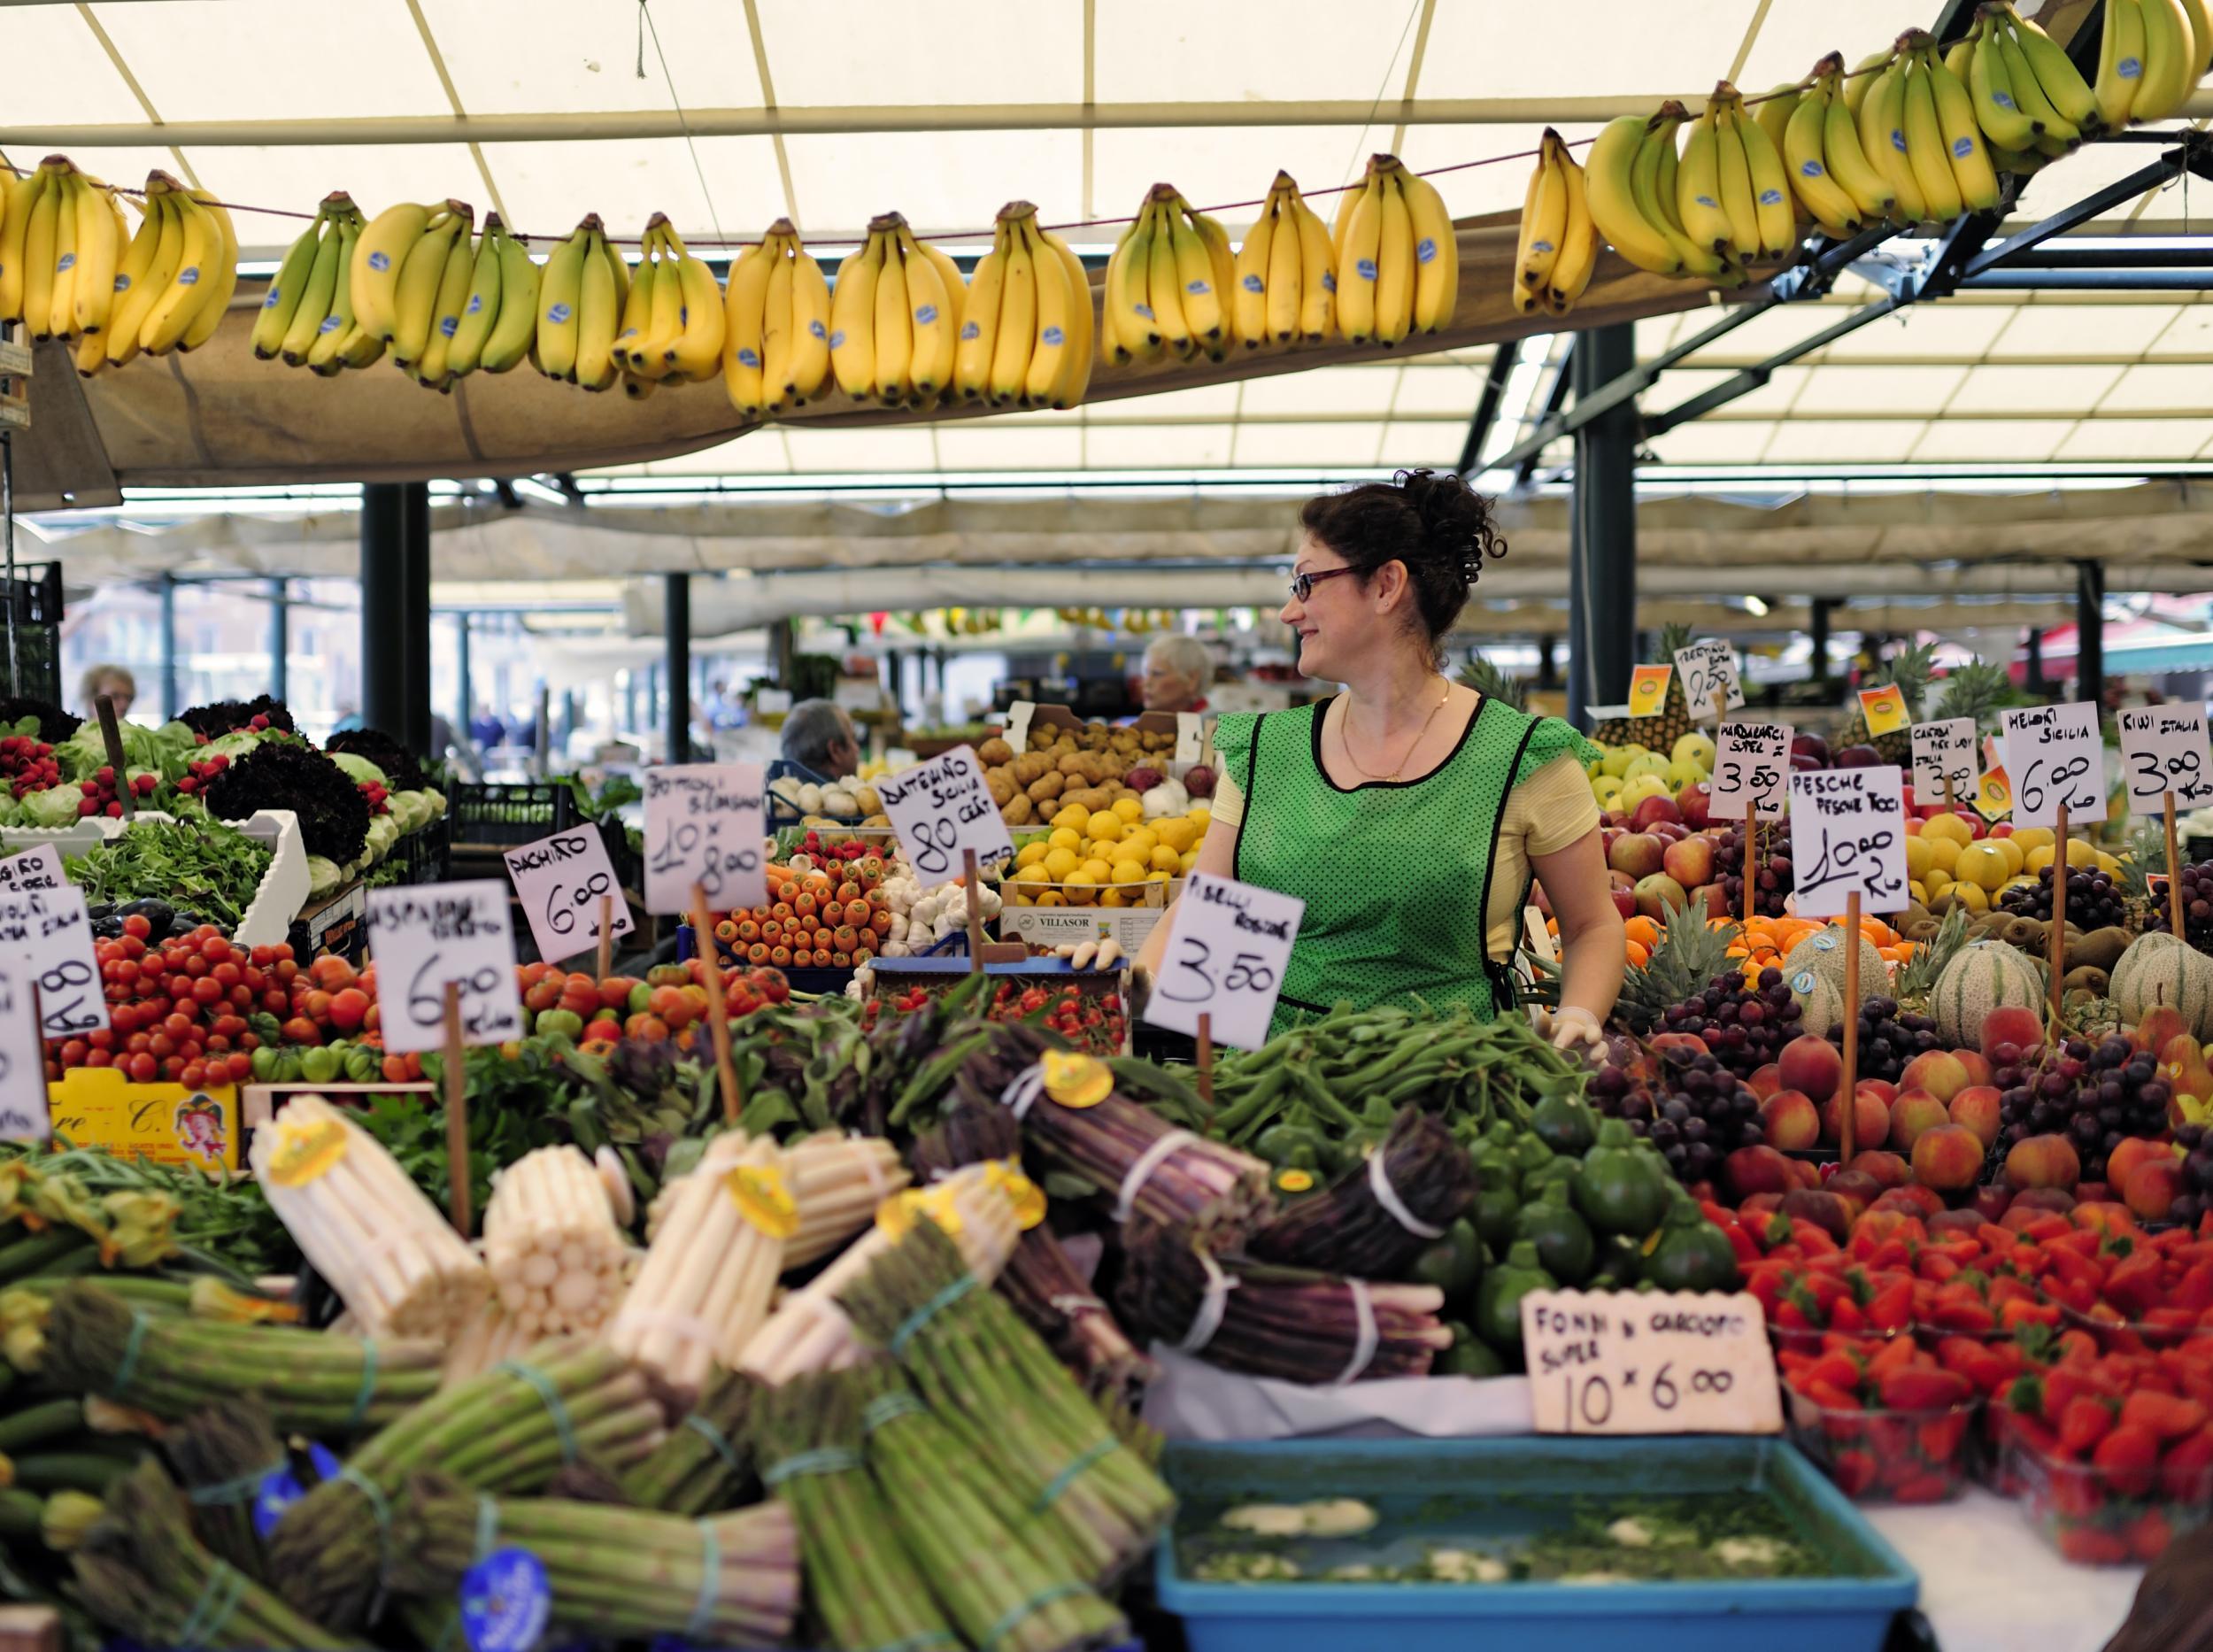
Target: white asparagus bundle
(551, 1243)
(712, 1269)
(489, 1340)
(366, 1228)
(810, 1332)
(837, 1181)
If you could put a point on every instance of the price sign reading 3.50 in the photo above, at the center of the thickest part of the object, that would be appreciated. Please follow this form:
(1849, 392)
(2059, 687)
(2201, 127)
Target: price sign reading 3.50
(705, 824)
(559, 880)
(424, 937)
(941, 809)
(1228, 943)
(50, 931)
(1848, 833)
(2163, 749)
(2055, 755)
(1752, 771)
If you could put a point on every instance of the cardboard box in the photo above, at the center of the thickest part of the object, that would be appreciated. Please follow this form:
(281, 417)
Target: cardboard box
(96, 1107)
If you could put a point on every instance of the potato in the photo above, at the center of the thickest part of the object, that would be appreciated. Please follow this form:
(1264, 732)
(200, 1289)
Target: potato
(1071, 764)
(1030, 765)
(1000, 783)
(994, 750)
(1018, 810)
(1091, 800)
(1046, 788)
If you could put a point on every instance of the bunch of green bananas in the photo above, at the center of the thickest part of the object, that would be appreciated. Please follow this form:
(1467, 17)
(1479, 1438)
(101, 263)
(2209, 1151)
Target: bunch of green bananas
(1559, 244)
(775, 331)
(672, 320)
(307, 315)
(66, 271)
(1398, 261)
(1025, 337)
(1165, 283)
(1286, 272)
(895, 317)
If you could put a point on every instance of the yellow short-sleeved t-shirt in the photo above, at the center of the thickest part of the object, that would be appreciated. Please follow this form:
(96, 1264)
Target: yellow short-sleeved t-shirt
(1544, 814)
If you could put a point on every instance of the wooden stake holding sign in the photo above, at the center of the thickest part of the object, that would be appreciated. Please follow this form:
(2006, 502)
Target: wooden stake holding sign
(1849, 1087)
(2174, 872)
(972, 886)
(1203, 1036)
(457, 1114)
(111, 736)
(605, 959)
(2057, 962)
(718, 1005)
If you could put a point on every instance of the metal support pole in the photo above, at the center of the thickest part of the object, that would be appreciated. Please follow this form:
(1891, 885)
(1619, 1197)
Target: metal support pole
(2032, 664)
(465, 697)
(169, 706)
(1606, 508)
(414, 731)
(677, 624)
(783, 649)
(1818, 628)
(7, 543)
(629, 698)
(1547, 662)
(383, 604)
(279, 639)
(2089, 630)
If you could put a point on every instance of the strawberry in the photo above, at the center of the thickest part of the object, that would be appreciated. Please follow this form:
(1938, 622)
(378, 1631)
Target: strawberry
(1922, 1389)
(1854, 1472)
(1891, 1306)
(2084, 1423)
(2149, 1534)
(1840, 1371)
(2186, 1474)
(1924, 1488)
(2129, 1457)
(1939, 1439)
(2164, 1415)
(2087, 1546)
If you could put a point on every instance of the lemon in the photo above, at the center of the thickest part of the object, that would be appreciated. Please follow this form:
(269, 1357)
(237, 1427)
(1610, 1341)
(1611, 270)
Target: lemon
(1919, 891)
(1159, 876)
(1949, 828)
(1113, 897)
(1919, 859)
(1190, 858)
(1098, 871)
(2031, 837)
(1204, 814)
(1165, 859)
(1030, 854)
(1129, 872)
(1177, 834)
(1080, 887)
(1052, 898)
(1944, 853)
(1982, 866)
(1067, 838)
(1938, 881)
(1971, 897)
(1105, 826)
(1130, 809)
(2012, 851)
(1142, 840)
(1059, 862)
(1070, 818)
(1033, 873)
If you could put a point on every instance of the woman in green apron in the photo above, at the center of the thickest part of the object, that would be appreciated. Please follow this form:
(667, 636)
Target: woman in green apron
(1409, 813)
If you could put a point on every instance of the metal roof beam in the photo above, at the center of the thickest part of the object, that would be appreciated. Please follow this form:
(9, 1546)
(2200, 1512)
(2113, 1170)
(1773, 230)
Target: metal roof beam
(1502, 362)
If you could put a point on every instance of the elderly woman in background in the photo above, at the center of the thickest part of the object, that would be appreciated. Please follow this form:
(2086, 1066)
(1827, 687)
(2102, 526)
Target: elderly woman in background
(819, 737)
(118, 685)
(1177, 671)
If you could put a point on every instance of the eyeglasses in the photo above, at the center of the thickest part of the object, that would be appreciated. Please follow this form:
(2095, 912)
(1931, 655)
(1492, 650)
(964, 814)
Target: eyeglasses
(1302, 584)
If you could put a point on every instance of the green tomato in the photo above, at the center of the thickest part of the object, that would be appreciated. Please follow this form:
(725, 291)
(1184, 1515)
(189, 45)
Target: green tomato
(641, 999)
(319, 1065)
(568, 1023)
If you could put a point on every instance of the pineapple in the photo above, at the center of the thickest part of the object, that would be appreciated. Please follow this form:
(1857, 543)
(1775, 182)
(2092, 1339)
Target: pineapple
(1911, 671)
(1918, 979)
(1658, 733)
(1690, 954)
(1493, 683)
(1976, 691)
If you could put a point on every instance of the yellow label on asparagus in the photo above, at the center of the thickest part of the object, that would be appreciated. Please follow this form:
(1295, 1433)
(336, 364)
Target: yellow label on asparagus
(763, 1200)
(1075, 1080)
(306, 1150)
(1025, 1195)
(897, 1216)
(1294, 1181)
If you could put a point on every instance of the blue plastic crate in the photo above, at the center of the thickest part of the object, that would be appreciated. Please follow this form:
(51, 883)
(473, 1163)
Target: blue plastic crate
(1850, 1612)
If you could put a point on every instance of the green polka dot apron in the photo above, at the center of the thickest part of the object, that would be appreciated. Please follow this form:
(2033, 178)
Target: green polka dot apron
(1396, 875)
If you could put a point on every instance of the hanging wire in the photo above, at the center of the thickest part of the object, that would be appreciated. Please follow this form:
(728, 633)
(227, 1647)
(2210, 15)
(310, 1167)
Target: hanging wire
(645, 27)
(1360, 139)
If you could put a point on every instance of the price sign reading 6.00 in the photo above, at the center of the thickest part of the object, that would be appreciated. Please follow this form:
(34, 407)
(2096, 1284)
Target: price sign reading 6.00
(427, 937)
(1228, 943)
(705, 824)
(559, 880)
(2054, 756)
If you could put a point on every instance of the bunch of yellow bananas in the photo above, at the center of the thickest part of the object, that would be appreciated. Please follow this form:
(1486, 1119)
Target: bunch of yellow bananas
(672, 324)
(1166, 282)
(582, 292)
(1917, 125)
(66, 271)
(307, 315)
(1832, 180)
(2150, 55)
(895, 317)
(1286, 273)
(1559, 245)
(416, 283)
(776, 332)
(1398, 261)
(1026, 334)
(2029, 100)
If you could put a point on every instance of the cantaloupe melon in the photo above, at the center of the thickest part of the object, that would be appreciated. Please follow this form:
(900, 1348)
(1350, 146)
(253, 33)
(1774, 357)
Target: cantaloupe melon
(1821, 955)
(1983, 976)
(2159, 970)
(1820, 1002)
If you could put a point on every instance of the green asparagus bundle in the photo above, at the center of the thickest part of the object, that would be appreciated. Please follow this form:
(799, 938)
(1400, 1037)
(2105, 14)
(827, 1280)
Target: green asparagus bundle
(509, 1430)
(615, 1574)
(706, 1462)
(865, 1591)
(140, 1573)
(1004, 1583)
(219, 1457)
(313, 1382)
(996, 1386)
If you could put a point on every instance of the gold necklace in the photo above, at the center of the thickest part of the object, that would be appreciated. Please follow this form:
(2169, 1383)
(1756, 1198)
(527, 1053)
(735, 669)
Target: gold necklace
(1344, 742)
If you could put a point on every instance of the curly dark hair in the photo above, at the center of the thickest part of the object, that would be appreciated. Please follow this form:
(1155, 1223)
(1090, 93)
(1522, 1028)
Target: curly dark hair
(1432, 523)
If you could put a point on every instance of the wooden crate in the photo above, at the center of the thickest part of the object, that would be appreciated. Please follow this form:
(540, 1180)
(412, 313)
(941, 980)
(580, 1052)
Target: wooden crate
(15, 386)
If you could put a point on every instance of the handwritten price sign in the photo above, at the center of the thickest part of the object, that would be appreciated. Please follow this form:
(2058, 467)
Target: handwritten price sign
(942, 809)
(33, 868)
(1648, 690)
(559, 880)
(50, 930)
(1752, 771)
(2055, 755)
(23, 1114)
(422, 937)
(1708, 668)
(2164, 750)
(1228, 943)
(1676, 1363)
(1848, 833)
(705, 825)
(1945, 751)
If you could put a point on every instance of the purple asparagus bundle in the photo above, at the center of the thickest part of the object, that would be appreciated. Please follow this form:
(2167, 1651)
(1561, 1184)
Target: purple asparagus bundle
(1374, 1221)
(1268, 1320)
(1073, 1120)
(1041, 1281)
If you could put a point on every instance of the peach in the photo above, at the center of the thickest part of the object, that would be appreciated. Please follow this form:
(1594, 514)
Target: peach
(2125, 1159)
(2011, 1024)
(1881, 1089)
(1889, 1168)
(1806, 1174)
(1810, 1066)
(1823, 1209)
(1944, 1223)
(1790, 1120)
(2152, 1189)
(1765, 1081)
(1938, 1072)
(1751, 1171)
(1949, 1158)
(1689, 1043)
(1913, 1111)
(1979, 1108)
(1856, 1188)
(1977, 1065)
(1870, 1120)
(2043, 1162)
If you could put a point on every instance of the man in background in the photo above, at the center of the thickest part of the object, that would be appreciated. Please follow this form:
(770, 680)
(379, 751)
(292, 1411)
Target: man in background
(819, 737)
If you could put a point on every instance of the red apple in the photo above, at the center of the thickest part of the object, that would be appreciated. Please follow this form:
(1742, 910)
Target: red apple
(1978, 1107)
(1811, 1066)
(1938, 1072)
(1914, 1112)
(1635, 853)
(1790, 1121)
(1949, 1158)
(1624, 901)
(1668, 831)
(1659, 807)
(2009, 1023)
(1810, 746)
(2043, 1162)
(1695, 802)
(1713, 899)
(1886, 1167)
(1690, 862)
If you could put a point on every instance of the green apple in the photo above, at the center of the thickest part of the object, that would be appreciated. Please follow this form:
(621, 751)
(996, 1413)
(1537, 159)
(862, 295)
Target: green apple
(1650, 763)
(1643, 786)
(1618, 757)
(1695, 747)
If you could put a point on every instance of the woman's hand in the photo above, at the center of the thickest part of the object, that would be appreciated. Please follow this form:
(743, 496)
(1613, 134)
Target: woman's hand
(1571, 1027)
